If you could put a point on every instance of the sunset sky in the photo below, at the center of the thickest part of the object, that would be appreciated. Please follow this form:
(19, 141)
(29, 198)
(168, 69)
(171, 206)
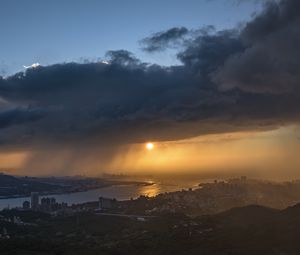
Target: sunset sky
(213, 85)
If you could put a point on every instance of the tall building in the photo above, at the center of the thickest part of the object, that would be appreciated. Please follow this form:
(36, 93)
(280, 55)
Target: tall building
(48, 204)
(107, 203)
(34, 200)
(26, 205)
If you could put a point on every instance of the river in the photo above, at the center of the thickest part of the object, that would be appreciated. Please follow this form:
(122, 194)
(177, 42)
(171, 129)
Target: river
(120, 192)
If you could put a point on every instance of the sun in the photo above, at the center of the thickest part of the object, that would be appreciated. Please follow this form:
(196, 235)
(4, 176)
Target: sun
(149, 146)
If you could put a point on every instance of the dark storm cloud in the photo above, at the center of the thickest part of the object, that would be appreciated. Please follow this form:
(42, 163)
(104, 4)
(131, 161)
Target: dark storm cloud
(161, 40)
(122, 57)
(117, 102)
(270, 61)
(19, 116)
(206, 53)
(229, 80)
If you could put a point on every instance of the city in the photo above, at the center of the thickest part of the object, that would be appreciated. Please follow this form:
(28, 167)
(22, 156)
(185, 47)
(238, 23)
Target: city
(109, 225)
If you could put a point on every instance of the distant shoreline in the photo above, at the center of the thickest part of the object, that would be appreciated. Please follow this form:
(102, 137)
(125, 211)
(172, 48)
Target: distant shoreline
(78, 191)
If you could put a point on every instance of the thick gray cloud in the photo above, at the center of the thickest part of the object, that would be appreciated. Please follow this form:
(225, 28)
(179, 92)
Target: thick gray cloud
(228, 81)
(161, 40)
(123, 57)
(19, 116)
(270, 61)
(117, 102)
(208, 52)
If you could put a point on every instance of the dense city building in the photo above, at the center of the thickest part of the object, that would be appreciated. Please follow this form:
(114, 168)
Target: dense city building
(26, 205)
(34, 200)
(107, 203)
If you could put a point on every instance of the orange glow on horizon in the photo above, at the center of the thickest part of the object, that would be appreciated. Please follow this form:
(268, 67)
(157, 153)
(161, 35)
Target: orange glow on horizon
(269, 153)
(228, 152)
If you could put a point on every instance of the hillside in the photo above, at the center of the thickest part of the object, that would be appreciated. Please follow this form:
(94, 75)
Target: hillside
(12, 186)
(251, 230)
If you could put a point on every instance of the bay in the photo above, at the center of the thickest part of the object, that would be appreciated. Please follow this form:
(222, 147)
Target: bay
(120, 192)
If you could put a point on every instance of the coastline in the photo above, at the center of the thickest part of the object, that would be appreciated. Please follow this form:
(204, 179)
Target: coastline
(48, 193)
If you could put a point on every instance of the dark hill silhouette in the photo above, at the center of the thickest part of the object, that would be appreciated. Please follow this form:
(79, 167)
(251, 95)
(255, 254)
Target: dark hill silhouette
(248, 215)
(14, 186)
(7, 180)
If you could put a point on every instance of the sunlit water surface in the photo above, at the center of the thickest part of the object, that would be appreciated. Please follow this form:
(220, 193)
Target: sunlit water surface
(120, 192)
